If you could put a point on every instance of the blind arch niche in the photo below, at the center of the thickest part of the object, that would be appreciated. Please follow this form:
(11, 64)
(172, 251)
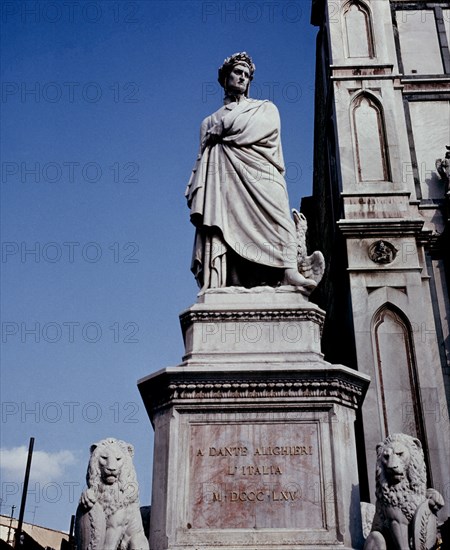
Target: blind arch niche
(358, 30)
(397, 390)
(372, 163)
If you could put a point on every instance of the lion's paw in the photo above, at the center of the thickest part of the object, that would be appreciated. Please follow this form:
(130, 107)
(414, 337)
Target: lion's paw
(88, 498)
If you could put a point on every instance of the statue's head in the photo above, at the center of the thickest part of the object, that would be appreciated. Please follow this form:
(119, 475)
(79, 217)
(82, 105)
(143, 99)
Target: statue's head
(236, 73)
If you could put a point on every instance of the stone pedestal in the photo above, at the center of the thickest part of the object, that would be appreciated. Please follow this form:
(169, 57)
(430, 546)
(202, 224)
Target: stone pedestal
(254, 439)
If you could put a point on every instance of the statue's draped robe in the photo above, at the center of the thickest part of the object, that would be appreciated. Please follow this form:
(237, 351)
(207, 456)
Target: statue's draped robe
(237, 193)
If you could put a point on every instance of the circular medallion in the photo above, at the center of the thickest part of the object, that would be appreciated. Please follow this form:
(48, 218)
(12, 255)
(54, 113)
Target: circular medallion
(382, 252)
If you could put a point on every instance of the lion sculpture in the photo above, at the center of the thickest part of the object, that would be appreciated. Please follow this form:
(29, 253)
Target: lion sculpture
(405, 515)
(108, 515)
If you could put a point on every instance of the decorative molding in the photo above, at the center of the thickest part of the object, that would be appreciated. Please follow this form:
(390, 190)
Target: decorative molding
(375, 269)
(362, 71)
(190, 317)
(339, 389)
(426, 88)
(383, 194)
(425, 79)
(395, 227)
(359, 65)
(206, 388)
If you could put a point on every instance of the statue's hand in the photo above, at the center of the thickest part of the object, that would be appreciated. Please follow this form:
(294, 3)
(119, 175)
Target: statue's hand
(214, 134)
(435, 500)
(88, 498)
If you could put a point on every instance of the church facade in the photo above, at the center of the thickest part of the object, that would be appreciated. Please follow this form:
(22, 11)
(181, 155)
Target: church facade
(379, 212)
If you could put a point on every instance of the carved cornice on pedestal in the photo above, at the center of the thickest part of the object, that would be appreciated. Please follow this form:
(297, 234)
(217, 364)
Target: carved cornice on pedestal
(299, 314)
(181, 386)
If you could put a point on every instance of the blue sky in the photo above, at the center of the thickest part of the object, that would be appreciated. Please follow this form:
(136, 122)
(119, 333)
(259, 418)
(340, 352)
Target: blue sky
(101, 106)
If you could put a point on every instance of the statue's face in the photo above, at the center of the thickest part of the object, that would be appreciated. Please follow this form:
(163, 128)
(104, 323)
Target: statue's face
(238, 79)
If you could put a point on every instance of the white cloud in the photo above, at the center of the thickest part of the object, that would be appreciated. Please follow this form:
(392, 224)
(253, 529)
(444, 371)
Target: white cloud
(45, 467)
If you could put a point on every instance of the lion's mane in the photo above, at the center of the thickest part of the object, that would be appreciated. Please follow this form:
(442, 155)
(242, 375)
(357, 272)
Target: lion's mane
(125, 490)
(411, 491)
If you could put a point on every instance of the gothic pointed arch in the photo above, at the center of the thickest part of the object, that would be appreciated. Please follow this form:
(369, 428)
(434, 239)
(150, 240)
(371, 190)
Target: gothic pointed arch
(369, 133)
(358, 33)
(395, 377)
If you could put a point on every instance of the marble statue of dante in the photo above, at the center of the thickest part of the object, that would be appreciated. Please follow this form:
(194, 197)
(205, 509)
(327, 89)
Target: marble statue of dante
(237, 193)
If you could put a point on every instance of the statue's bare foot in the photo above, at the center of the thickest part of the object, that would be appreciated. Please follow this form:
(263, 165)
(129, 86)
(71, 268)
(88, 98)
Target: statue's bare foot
(293, 277)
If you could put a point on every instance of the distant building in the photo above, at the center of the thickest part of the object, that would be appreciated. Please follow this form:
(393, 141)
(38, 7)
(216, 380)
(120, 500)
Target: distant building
(379, 212)
(35, 536)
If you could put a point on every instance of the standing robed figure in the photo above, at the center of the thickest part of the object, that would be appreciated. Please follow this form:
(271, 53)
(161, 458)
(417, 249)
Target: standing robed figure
(237, 193)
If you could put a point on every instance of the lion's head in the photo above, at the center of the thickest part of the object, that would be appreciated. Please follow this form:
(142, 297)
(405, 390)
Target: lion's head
(111, 472)
(108, 458)
(401, 476)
